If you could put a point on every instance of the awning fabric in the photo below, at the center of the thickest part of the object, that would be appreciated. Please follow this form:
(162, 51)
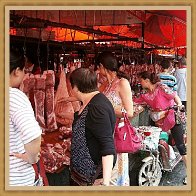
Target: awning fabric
(162, 27)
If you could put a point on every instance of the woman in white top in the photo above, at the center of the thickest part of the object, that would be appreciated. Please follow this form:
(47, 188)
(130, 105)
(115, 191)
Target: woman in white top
(24, 131)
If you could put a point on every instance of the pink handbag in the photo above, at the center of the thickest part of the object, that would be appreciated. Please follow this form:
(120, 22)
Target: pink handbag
(125, 138)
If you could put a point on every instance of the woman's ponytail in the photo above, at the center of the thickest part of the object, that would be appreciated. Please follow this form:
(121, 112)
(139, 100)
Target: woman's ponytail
(154, 78)
(121, 74)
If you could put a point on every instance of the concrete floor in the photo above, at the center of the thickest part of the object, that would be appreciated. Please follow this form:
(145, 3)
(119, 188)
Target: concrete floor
(175, 177)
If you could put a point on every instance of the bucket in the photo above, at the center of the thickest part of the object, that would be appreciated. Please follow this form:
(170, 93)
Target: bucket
(164, 136)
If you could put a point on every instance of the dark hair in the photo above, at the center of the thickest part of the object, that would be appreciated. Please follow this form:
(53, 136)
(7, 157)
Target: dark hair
(182, 61)
(84, 79)
(165, 64)
(151, 76)
(110, 62)
(16, 60)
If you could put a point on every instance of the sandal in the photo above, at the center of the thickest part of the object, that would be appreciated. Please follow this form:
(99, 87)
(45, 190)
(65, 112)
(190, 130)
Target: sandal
(184, 181)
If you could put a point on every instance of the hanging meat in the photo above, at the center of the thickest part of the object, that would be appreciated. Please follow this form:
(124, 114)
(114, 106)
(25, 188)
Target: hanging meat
(24, 87)
(49, 102)
(39, 99)
(63, 110)
(27, 86)
(31, 90)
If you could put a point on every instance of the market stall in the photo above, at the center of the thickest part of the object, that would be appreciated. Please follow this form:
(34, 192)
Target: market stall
(57, 41)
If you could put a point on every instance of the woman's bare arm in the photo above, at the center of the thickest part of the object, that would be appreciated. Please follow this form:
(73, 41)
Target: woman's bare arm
(32, 151)
(126, 97)
(107, 164)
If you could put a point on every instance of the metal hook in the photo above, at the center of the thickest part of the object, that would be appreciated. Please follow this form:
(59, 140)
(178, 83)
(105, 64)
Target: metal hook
(63, 46)
(24, 46)
(73, 34)
(48, 49)
(38, 49)
(122, 55)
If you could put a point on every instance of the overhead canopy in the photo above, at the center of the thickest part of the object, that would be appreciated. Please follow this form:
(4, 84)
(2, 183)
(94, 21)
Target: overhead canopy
(161, 28)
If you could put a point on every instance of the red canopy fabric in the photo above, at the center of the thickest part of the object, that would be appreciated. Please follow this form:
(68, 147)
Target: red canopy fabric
(162, 27)
(164, 31)
(176, 14)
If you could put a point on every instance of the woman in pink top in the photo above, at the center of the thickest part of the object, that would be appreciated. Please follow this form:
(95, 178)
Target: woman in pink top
(160, 97)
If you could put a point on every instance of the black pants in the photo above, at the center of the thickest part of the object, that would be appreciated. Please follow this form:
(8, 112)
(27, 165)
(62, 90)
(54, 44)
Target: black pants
(184, 103)
(73, 183)
(178, 135)
(59, 179)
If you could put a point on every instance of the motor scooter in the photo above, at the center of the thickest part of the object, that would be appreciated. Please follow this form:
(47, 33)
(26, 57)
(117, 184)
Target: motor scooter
(158, 155)
(151, 161)
(156, 162)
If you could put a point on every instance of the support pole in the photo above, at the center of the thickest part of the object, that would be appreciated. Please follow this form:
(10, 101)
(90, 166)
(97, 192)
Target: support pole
(143, 26)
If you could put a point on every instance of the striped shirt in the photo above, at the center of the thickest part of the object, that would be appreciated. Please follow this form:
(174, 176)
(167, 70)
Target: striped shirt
(169, 80)
(23, 128)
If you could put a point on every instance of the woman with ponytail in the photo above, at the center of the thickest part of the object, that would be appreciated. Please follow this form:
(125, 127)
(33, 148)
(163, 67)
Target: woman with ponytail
(118, 90)
(159, 97)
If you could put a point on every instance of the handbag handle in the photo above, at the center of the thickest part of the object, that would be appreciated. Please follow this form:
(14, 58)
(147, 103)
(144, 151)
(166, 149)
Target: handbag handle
(127, 122)
(126, 119)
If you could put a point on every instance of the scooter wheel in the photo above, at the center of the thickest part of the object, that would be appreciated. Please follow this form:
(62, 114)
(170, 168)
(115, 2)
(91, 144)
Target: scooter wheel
(149, 176)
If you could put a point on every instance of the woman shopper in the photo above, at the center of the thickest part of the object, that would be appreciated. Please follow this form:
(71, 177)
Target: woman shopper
(118, 90)
(24, 131)
(92, 143)
(160, 97)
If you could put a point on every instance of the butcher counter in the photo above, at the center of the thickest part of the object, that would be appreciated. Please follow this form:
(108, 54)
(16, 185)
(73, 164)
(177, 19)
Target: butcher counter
(56, 157)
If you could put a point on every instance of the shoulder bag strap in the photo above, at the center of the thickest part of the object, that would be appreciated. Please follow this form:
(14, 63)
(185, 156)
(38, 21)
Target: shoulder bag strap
(127, 122)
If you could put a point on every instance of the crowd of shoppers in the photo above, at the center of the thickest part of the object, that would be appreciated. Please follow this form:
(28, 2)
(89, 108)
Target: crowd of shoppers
(92, 143)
